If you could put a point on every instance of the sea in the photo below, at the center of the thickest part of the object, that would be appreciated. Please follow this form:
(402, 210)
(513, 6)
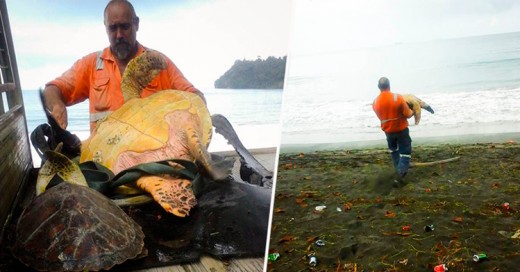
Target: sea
(472, 83)
(253, 113)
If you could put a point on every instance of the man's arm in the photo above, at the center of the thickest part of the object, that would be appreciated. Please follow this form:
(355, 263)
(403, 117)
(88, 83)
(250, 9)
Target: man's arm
(69, 88)
(55, 105)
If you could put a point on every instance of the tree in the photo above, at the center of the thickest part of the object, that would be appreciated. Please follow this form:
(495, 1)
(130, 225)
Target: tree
(254, 74)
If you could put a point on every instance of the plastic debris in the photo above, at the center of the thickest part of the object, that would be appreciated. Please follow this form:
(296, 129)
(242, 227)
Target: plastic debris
(273, 256)
(479, 257)
(429, 228)
(313, 261)
(320, 208)
(319, 243)
(440, 268)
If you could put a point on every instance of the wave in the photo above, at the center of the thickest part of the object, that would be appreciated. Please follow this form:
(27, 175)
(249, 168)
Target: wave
(356, 121)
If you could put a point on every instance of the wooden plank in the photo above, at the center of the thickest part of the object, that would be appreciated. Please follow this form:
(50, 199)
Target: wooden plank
(247, 265)
(210, 264)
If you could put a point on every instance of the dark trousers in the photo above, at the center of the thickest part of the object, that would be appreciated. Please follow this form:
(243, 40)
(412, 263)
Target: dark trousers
(400, 145)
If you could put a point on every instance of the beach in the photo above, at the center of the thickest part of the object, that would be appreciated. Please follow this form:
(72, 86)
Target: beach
(367, 219)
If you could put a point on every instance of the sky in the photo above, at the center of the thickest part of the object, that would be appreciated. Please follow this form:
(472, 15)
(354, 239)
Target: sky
(333, 25)
(203, 37)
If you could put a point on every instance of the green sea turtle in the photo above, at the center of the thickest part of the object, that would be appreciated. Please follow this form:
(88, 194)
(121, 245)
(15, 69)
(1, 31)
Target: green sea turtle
(231, 217)
(416, 105)
(166, 125)
(74, 228)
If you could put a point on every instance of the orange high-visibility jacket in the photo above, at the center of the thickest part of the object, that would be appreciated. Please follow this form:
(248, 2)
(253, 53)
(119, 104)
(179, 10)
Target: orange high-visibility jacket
(97, 77)
(392, 110)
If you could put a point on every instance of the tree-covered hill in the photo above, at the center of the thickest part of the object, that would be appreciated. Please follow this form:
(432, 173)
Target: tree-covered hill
(254, 74)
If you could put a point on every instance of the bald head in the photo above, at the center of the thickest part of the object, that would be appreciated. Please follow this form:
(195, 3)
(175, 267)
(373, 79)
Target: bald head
(121, 25)
(124, 3)
(383, 84)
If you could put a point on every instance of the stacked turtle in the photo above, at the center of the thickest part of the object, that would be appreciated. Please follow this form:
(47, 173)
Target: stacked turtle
(74, 228)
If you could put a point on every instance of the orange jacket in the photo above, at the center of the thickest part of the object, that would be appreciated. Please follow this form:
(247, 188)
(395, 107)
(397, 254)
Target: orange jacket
(392, 110)
(97, 77)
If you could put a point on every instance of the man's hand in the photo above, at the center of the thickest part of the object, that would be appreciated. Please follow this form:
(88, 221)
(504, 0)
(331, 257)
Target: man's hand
(59, 112)
(55, 105)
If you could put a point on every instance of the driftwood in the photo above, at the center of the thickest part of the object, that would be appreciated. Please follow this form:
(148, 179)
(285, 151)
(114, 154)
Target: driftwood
(417, 164)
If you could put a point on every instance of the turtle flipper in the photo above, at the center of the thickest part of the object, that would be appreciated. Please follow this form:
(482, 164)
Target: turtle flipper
(58, 164)
(424, 105)
(251, 170)
(417, 112)
(416, 105)
(428, 108)
(174, 195)
(201, 154)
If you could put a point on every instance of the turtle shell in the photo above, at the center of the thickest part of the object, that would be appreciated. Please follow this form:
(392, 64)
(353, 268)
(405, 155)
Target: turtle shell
(159, 127)
(75, 228)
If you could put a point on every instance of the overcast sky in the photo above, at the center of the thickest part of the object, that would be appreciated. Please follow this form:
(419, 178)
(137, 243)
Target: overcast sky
(331, 25)
(203, 38)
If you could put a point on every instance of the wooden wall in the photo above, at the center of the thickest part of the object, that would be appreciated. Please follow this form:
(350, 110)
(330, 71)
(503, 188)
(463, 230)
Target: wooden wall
(15, 157)
(15, 152)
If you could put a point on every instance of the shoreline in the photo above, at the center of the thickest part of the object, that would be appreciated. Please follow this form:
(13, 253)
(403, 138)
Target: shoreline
(416, 142)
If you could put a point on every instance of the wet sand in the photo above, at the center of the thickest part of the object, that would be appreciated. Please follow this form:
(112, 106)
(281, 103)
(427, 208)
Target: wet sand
(375, 222)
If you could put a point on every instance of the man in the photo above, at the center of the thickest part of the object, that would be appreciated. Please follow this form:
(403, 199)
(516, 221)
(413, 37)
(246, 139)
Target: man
(393, 112)
(97, 76)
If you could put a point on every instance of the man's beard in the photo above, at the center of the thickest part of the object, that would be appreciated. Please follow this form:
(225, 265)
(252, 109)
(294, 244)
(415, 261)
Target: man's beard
(122, 50)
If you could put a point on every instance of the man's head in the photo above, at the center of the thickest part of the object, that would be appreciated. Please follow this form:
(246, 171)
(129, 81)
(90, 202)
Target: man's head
(383, 84)
(121, 24)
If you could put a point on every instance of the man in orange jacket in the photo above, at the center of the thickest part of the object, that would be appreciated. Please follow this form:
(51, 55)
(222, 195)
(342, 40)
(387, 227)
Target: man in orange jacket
(393, 112)
(97, 76)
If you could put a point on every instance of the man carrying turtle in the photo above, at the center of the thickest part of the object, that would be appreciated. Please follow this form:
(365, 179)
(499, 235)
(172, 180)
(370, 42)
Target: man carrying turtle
(97, 76)
(393, 111)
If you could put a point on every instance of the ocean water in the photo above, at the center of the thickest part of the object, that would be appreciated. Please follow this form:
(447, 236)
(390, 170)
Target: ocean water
(254, 114)
(472, 83)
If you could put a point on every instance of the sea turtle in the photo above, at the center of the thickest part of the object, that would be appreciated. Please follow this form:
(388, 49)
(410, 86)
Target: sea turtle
(168, 124)
(416, 104)
(74, 228)
(231, 218)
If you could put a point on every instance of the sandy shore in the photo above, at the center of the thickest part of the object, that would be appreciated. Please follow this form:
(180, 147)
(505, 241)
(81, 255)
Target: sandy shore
(417, 141)
(373, 221)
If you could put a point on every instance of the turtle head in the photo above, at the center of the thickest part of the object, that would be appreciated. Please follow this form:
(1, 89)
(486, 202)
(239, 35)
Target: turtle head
(140, 71)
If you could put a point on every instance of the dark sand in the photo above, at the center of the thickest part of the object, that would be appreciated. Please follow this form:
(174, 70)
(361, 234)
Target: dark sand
(362, 224)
